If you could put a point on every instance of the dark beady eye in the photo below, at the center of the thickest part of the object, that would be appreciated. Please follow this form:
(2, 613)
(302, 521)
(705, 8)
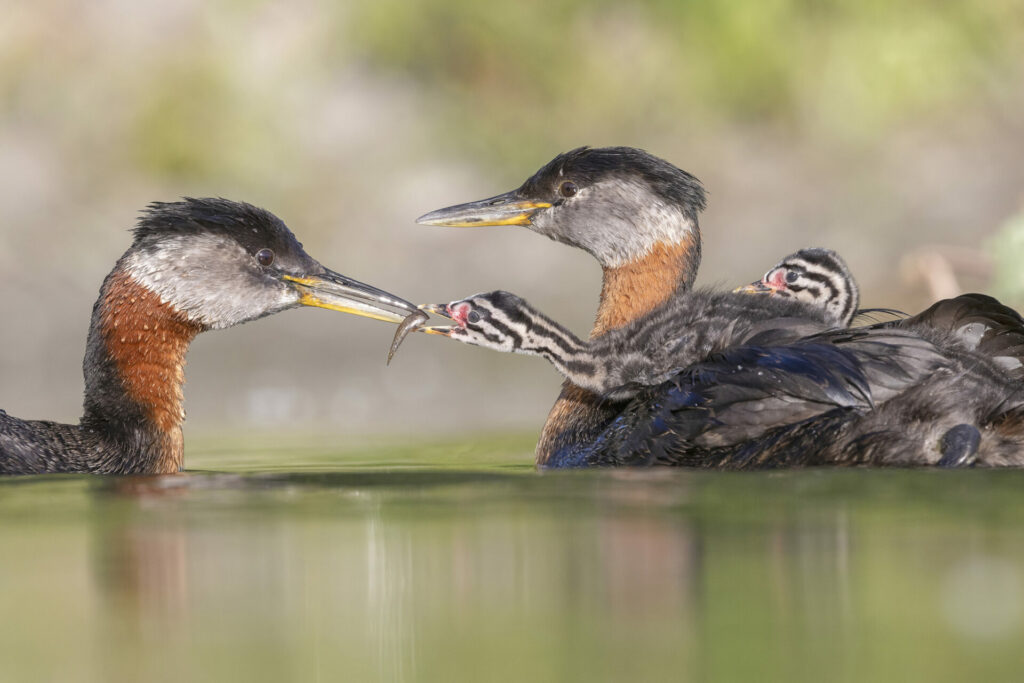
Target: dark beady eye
(265, 257)
(568, 189)
(792, 276)
(473, 317)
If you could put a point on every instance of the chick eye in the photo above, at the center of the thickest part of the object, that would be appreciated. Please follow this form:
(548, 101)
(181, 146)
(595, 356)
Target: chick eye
(473, 317)
(792, 276)
(264, 257)
(568, 189)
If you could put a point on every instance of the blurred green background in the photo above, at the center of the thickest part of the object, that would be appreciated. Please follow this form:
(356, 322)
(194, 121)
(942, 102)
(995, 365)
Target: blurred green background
(889, 131)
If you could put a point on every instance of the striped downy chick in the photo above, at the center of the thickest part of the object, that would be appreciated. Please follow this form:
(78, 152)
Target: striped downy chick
(645, 352)
(818, 277)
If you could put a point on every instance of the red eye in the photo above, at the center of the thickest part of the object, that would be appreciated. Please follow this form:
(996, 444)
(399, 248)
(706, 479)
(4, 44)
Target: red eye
(264, 257)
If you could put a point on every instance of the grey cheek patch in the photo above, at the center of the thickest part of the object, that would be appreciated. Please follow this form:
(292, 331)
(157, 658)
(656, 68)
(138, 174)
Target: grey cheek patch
(617, 236)
(190, 275)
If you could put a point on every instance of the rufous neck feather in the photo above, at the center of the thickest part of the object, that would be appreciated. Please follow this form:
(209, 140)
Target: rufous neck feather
(147, 340)
(634, 289)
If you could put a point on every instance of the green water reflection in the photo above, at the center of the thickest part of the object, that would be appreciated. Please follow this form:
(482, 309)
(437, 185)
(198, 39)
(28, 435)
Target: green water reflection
(270, 565)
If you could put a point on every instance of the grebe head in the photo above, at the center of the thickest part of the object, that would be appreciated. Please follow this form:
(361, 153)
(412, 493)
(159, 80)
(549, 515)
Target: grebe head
(617, 203)
(818, 277)
(220, 263)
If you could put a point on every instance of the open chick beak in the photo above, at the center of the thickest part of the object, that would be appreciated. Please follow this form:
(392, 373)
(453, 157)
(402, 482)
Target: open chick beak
(759, 287)
(337, 292)
(437, 309)
(504, 209)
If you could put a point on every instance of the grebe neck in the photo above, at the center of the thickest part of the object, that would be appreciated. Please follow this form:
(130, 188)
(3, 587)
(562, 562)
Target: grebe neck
(634, 289)
(628, 292)
(134, 372)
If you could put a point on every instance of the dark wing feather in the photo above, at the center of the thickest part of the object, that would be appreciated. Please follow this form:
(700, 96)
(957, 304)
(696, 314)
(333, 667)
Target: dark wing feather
(979, 323)
(747, 402)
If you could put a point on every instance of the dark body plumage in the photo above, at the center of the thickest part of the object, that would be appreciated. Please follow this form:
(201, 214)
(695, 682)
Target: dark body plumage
(973, 322)
(931, 389)
(875, 398)
(193, 265)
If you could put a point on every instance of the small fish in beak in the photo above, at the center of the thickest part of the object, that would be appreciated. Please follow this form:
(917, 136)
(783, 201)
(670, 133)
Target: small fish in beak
(412, 321)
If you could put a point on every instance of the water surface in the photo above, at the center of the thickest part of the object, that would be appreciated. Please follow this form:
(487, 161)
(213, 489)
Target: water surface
(459, 562)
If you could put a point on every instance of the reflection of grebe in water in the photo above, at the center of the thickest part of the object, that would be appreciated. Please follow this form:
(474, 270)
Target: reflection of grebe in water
(194, 265)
